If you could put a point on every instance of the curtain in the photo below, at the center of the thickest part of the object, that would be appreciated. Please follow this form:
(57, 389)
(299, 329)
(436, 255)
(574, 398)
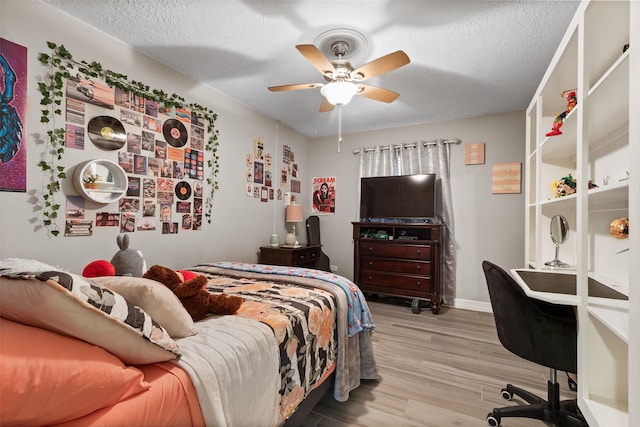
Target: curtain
(417, 158)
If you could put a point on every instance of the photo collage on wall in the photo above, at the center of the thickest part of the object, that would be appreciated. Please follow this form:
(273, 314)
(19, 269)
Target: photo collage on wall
(262, 184)
(160, 149)
(290, 172)
(260, 173)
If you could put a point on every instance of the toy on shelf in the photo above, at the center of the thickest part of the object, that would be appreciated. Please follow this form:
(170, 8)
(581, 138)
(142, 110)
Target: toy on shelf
(572, 101)
(564, 186)
(619, 228)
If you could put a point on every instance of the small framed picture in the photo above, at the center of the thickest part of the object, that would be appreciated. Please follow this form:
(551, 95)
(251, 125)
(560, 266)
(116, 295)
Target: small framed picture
(505, 178)
(474, 154)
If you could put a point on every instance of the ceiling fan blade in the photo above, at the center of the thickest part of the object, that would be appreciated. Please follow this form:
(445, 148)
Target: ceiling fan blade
(317, 59)
(300, 86)
(377, 93)
(326, 106)
(382, 65)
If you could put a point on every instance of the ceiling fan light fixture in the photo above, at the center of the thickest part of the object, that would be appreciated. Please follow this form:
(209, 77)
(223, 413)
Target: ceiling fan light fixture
(339, 93)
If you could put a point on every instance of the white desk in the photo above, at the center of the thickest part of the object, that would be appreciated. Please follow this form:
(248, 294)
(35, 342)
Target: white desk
(554, 286)
(559, 287)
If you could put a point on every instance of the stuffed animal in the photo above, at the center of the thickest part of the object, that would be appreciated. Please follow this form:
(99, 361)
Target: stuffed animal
(128, 262)
(198, 302)
(99, 268)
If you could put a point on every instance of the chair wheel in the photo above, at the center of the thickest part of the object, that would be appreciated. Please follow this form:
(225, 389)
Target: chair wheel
(573, 385)
(493, 421)
(415, 306)
(506, 394)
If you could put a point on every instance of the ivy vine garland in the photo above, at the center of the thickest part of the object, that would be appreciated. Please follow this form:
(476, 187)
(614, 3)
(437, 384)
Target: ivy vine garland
(62, 66)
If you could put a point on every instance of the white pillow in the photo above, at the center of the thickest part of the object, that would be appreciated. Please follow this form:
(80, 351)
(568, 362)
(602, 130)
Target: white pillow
(71, 305)
(154, 298)
(24, 264)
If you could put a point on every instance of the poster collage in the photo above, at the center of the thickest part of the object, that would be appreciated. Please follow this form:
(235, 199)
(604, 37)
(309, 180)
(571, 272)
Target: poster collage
(260, 180)
(260, 174)
(160, 149)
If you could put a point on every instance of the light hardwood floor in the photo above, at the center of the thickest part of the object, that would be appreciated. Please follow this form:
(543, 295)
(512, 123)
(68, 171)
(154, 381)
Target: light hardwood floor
(435, 371)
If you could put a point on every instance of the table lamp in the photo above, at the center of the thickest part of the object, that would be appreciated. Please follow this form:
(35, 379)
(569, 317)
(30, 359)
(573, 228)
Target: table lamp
(293, 214)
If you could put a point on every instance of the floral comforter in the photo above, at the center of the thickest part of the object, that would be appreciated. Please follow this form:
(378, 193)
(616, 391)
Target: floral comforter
(303, 320)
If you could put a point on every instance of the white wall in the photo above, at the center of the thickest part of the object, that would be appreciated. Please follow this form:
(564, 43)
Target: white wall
(487, 226)
(240, 224)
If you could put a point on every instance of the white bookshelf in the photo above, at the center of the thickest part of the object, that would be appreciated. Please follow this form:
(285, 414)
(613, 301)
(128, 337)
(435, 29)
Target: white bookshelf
(601, 144)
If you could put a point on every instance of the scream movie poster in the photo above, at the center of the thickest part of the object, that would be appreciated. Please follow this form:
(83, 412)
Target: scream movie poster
(324, 196)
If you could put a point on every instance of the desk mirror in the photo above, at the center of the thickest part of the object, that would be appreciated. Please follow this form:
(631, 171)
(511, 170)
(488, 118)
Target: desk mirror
(559, 230)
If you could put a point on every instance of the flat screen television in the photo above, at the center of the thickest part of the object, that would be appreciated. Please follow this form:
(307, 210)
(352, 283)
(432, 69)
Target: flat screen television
(403, 198)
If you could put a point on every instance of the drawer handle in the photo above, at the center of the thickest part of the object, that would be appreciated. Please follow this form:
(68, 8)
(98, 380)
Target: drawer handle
(301, 256)
(419, 267)
(418, 284)
(370, 249)
(370, 278)
(370, 263)
(418, 251)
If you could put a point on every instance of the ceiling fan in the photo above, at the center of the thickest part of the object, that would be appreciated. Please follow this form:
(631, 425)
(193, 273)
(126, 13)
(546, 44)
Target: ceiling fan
(343, 81)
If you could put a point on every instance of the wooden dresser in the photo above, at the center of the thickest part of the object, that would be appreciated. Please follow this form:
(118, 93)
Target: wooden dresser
(401, 260)
(305, 256)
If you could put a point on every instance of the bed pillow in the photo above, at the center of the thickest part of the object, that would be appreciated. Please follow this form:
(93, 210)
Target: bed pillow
(69, 304)
(24, 264)
(156, 299)
(48, 378)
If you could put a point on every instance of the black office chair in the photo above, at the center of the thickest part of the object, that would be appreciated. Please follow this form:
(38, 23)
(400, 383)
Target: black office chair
(542, 333)
(313, 238)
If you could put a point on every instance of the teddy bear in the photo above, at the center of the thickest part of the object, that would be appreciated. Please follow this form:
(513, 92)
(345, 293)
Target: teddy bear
(190, 290)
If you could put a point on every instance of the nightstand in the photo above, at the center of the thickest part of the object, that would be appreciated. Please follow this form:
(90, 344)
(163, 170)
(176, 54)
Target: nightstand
(303, 256)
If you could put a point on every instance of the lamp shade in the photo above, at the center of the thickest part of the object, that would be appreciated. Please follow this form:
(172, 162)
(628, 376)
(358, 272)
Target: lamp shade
(293, 213)
(339, 93)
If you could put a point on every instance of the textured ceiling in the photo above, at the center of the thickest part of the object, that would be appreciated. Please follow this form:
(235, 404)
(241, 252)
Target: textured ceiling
(468, 58)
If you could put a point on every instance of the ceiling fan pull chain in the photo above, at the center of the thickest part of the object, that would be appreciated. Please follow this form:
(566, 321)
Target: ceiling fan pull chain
(339, 126)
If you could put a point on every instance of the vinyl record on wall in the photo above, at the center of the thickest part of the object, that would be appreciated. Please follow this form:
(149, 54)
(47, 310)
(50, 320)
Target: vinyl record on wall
(174, 132)
(107, 132)
(183, 190)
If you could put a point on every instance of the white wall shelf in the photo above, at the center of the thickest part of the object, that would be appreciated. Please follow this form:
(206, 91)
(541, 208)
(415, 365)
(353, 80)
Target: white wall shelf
(616, 319)
(111, 185)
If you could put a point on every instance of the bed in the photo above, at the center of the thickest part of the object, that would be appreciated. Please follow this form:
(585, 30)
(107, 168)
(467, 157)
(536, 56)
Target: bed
(123, 351)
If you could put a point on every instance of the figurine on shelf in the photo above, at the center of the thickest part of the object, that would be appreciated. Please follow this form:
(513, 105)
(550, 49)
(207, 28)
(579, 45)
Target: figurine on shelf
(564, 186)
(619, 228)
(572, 101)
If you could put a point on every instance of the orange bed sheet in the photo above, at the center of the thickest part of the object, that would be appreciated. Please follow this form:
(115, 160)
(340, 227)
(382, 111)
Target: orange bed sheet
(170, 401)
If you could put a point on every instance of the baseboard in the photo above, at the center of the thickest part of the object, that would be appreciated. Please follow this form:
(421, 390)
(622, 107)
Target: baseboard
(467, 304)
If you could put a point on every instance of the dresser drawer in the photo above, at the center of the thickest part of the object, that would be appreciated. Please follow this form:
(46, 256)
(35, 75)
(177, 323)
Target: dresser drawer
(299, 257)
(392, 250)
(313, 254)
(399, 282)
(304, 256)
(395, 266)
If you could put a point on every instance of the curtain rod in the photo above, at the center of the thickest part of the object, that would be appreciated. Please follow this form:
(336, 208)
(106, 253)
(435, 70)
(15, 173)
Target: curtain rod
(411, 145)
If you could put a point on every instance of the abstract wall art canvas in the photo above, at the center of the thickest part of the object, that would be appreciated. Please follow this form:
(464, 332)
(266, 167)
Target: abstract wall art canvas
(13, 109)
